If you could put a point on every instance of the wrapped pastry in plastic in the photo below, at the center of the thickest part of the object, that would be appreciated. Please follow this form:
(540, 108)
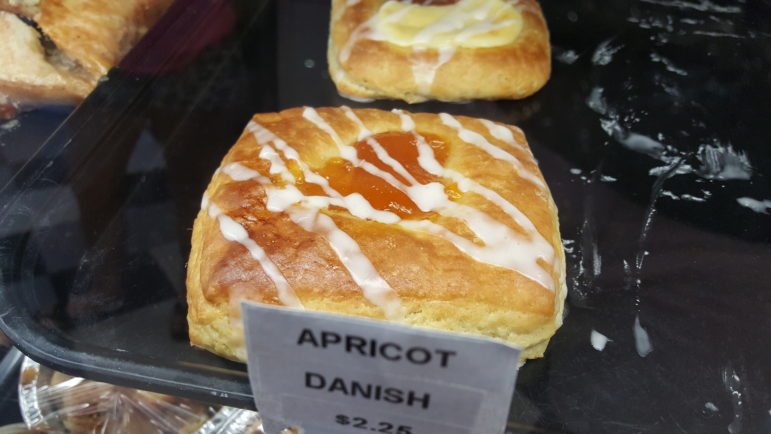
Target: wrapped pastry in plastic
(52, 401)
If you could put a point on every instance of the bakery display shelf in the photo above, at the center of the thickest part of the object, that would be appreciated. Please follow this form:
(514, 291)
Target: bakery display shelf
(651, 134)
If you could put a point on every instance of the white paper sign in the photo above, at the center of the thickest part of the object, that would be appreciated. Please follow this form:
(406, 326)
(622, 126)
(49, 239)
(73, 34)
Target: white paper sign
(332, 374)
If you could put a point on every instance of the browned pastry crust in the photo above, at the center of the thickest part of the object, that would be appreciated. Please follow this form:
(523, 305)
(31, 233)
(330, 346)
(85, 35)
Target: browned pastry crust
(98, 33)
(26, 8)
(438, 285)
(28, 73)
(379, 69)
(89, 37)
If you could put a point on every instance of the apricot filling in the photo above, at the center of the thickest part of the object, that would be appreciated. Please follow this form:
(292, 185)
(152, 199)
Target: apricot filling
(402, 148)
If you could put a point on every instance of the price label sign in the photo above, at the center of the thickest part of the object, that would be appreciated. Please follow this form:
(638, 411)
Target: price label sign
(333, 374)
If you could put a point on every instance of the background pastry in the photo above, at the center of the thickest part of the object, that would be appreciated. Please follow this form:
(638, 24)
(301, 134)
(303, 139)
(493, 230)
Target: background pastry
(29, 73)
(431, 220)
(448, 50)
(71, 45)
(53, 402)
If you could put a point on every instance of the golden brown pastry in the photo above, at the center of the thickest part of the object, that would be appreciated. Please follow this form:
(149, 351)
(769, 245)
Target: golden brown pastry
(26, 8)
(85, 39)
(98, 33)
(448, 50)
(29, 73)
(429, 220)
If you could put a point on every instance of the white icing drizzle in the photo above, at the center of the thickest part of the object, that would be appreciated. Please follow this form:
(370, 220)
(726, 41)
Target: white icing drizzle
(349, 153)
(502, 246)
(375, 288)
(279, 198)
(239, 172)
(482, 27)
(382, 154)
(361, 32)
(452, 22)
(270, 154)
(368, 30)
(502, 133)
(424, 71)
(455, 24)
(346, 151)
(479, 141)
(341, 11)
(363, 130)
(233, 231)
(456, 20)
(408, 124)
(396, 16)
(487, 24)
(312, 115)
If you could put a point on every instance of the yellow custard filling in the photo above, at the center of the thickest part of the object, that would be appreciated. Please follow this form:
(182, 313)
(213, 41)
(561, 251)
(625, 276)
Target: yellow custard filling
(467, 23)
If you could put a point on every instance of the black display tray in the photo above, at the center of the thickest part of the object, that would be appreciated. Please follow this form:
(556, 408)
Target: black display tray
(652, 134)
